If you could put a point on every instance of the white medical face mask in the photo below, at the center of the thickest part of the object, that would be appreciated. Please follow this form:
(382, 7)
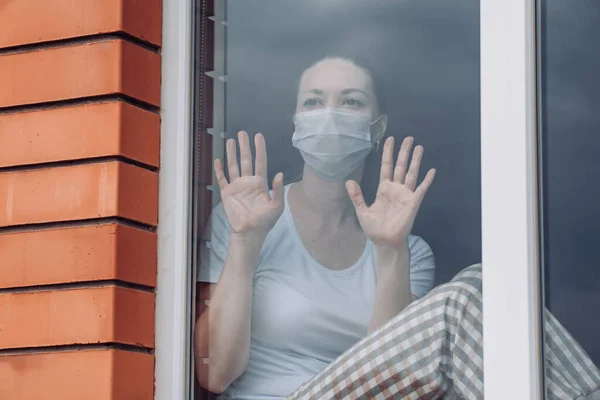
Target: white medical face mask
(333, 142)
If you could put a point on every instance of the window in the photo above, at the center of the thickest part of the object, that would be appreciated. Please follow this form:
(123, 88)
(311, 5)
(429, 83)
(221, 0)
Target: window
(568, 100)
(520, 193)
(496, 198)
(417, 64)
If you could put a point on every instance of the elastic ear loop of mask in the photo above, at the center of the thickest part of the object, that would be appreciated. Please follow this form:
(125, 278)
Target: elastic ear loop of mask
(375, 149)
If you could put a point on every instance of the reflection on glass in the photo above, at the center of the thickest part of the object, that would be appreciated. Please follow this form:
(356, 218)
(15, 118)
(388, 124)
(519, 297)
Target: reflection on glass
(332, 227)
(570, 144)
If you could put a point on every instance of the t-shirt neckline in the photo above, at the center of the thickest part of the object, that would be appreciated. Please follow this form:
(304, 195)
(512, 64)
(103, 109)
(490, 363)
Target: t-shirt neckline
(335, 272)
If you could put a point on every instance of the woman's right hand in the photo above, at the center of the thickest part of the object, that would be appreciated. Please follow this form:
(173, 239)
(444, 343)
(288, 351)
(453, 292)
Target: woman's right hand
(250, 210)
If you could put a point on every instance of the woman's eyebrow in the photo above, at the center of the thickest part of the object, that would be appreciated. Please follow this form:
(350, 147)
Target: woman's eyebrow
(320, 92)
(314, 91)
(348, 91)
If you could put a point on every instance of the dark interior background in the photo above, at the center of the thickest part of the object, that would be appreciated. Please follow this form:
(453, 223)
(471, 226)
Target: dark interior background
(570, 137)
(426, 56)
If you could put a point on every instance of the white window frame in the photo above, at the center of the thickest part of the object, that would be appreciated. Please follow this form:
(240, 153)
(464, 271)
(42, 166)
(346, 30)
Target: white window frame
(174, 276)
(510, 262)
(511, 273)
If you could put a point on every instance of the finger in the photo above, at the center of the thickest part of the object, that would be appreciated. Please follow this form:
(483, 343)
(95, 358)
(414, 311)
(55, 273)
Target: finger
(413, 171)
(387, 160)
(425, 185)
(260, 164)
(220, 174)
(356, 196)
(402, 163)
(278, 190)
(232, 164)
(245, 154)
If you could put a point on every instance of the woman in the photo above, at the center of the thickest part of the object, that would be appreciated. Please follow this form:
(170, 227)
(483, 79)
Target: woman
(319, 267)
(298, 276)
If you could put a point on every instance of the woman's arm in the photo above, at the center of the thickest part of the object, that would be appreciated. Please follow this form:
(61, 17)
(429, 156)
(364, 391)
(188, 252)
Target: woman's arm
(403, 276)
(393, 291)
(388, 223)
(222, 333)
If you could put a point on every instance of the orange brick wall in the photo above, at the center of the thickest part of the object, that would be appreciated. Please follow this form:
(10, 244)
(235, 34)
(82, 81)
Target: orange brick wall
(79, 158)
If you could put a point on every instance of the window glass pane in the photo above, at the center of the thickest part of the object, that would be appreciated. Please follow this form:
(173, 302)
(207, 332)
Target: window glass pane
(304, 280)
(426, 58)
(569, 146)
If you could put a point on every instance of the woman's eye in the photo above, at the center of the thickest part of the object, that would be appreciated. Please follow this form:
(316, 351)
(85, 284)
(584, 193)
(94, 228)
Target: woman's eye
(312, 102)
(353, 103)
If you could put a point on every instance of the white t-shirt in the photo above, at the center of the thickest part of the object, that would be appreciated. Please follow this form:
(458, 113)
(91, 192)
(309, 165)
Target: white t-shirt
(303, 314)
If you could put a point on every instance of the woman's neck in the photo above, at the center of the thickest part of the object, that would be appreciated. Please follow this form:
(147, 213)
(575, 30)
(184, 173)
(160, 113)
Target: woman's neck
(328, 200)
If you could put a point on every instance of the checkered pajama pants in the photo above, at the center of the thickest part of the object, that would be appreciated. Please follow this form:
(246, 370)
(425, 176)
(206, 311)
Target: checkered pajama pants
(434, 349)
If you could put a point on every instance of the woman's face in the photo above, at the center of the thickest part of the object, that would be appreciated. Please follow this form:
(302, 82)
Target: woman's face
(336, 84)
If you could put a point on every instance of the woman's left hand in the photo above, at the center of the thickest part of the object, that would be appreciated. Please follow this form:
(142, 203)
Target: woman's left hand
(389, 220)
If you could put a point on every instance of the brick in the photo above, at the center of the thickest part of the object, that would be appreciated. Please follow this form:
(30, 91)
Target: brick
(77, 316)
(78, 71)
(26, 22)
(74, 375)
(78, 254)
(78, 132)
(128, 385)
(78, 192)
(132, 201)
